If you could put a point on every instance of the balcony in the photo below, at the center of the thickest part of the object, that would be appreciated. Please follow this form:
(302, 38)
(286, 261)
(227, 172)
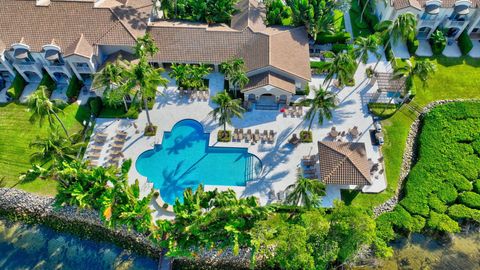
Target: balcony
(428, 22)
(28, 66)
(83, 69)
(455, 23)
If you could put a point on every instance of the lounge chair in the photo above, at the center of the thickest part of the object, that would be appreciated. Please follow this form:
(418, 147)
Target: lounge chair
(333, 132)
(293, 110)
(180, 91)
(309, 171)
(93, 156)
(206, 95)
(249, 135)
(264, 136)
(235, 134)
(271, 136)
(256, 136)
(193, 95)
(240, 134)
(294, 140)
(300, 110)
(96, 147)
(285, 111)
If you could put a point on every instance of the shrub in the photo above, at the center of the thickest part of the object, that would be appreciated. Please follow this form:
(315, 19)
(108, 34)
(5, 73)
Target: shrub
(341, 37)
(150, 131)
(16, 89)
(438, 41)
(436, 204)
(476, 186)
(442, 222)
(447, 193)
(336, 48)
(73, 89)
(96, 105)
(305, 136)
(470, 199)
(48, 82)
(416, 205)
(305, 91)
(460, 211)
(465, 43)
(412, 45)
(459, 181)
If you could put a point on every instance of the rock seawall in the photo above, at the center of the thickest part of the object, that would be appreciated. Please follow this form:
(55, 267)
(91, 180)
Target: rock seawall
(30, 208)
(409, 155)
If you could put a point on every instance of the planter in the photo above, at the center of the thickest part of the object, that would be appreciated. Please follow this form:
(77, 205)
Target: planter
(306, 136)
(224, 136)
(150, 131)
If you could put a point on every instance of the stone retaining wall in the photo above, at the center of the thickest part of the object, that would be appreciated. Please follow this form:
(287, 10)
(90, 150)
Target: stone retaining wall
(409, 155)
(30, 208)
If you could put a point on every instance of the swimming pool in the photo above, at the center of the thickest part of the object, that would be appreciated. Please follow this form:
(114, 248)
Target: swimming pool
(184, 160)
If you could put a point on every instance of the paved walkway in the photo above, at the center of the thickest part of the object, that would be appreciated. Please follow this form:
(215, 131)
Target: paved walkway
(424, 48)
(452, 50)
(475, 52)
(60, 92)
(28, 90)
(400, 50)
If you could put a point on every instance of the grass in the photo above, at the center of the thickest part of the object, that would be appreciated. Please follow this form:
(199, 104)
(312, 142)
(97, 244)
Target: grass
(17, 132)
(455, 78)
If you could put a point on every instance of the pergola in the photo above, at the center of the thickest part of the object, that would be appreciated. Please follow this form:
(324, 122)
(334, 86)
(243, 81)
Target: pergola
(387, 82)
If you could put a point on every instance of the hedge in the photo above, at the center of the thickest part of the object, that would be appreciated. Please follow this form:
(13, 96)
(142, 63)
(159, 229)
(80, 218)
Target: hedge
(341, 37)
(465, 43)
(412, 45)
(460, 211)
(336, 48)
(470, 199)
(476, 186)
(74, 87)
(95, 104)
(16, 89)
(442, 223)
(48, 82)
(319, 66)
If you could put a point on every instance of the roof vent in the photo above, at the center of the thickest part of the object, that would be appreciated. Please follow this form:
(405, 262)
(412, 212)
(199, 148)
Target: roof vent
(43, 3)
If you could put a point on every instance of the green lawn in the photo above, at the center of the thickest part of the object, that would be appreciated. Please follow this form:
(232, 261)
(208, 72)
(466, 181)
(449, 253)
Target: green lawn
(455, 78)
(16, 133)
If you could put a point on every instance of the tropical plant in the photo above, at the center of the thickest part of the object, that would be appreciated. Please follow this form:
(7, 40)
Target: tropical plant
(235, 72)
(54, 148)
(365, 45)
(423, 70)
(227, 109)
(211, 12)
(343, 67)
(278, 13)
(190, 76)
(322, 105)
(42, 108)
(110, 77)
(305, 192)
(179, 72)
(141, 78)
(438, 41)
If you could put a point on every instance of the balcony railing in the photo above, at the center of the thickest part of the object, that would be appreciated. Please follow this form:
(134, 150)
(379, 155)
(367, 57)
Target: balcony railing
(83, 69)
(57, 68)
(25, 66)
(456, 24)
(428, 22)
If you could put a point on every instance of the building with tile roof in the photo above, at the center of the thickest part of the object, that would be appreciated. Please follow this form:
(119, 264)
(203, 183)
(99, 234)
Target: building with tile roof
(344, 163)
(455, 16)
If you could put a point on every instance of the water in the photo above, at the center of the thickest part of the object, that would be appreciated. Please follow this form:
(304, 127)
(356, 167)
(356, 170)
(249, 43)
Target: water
(184, 160)
(423, 252)
(37, 247)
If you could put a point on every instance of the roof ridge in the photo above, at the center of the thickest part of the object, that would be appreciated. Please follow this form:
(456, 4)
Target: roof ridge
(121, 21)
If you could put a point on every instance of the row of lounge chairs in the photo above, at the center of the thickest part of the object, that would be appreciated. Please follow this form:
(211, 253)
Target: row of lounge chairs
(294, 111)
(353, 132)
(95, 149)
(309, 170)
(238, 135)
(193, 95)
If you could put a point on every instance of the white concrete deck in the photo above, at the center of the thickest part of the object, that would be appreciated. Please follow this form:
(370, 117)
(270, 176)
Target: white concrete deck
(424, 48)
(280, 160)
(28, 90)
(400, 49)
(60, 92)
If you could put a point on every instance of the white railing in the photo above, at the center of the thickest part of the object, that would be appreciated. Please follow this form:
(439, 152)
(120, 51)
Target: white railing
(27, 67)
(457, 24)
(83, 69)
(57, 68)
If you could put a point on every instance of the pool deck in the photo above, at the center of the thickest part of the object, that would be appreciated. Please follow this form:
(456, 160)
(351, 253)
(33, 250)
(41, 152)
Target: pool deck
(280, 159)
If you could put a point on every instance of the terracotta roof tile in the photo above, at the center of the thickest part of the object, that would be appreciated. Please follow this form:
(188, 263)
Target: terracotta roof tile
(63, 21)
(80, 47)
(343, 163)
(270, 78)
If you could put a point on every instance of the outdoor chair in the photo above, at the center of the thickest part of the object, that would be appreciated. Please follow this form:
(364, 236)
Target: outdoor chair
(285, 111)
(300, 110)
(93, 156)
(309, 171)
(256, 137)
(271, 136)
(333, 133)
(249, 135)
(235, 134)
(294, 140)
(96, 147)
(293, 109)
(240, 134)
(193, 95)
(264, 136)
(205, 95)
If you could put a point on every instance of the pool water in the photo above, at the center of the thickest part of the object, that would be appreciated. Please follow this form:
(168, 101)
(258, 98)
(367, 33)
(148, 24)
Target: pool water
(184, 160)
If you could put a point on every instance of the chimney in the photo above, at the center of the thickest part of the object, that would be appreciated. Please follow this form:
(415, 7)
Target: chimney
(43, 3)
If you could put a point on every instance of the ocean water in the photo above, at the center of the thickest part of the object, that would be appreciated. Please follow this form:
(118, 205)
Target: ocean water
(38, 247)
(184, 160)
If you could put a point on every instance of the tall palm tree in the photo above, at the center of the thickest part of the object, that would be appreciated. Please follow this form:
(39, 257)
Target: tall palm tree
(423, 69)
(306, 192)
(226, 110)
(365, 45)
(322, 105)
(54, 148)
(343, 66)
(141, 78)
(109, 78)
(235, 72)
(42, 108)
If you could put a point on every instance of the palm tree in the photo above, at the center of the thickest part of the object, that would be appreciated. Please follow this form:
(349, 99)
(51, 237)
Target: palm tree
(423, 69)
(364, 46)
(179, 73)
(322, 105)
(42, 108)
(226, 110)
(306, 192)
(235, 72)
(141, 78)
(343, 66)
(54, 148)
(109, 78)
